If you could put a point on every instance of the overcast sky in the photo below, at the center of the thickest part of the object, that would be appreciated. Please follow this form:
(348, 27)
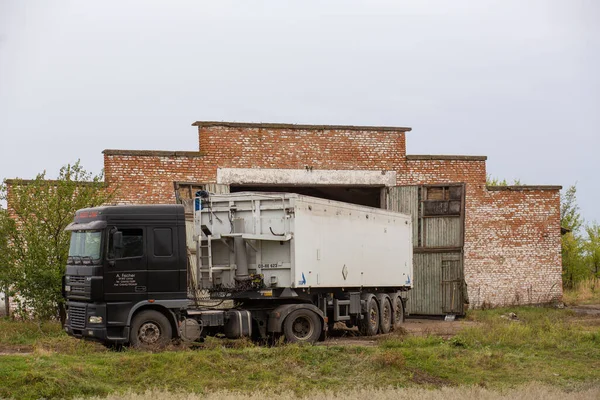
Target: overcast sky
(517, 81)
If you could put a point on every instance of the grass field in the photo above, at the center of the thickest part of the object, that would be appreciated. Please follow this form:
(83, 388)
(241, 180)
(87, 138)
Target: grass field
(554, 348)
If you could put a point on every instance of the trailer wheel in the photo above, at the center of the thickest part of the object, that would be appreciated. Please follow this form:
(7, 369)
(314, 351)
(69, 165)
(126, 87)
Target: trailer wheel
(150, 329)
(398, 308)
(302, 326)
(369, 324)
(386, 314)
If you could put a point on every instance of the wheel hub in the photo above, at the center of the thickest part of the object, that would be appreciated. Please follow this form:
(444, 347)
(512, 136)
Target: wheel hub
(386, 313)
(302, 328)
(149, 333)
(373, 317)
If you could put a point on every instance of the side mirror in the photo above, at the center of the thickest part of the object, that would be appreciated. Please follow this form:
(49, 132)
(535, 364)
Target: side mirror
(117, 240)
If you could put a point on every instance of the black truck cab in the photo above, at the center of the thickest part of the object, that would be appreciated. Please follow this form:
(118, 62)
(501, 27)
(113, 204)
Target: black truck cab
(124, 260)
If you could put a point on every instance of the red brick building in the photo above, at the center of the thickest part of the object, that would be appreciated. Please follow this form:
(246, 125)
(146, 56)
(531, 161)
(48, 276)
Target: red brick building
(504, 242)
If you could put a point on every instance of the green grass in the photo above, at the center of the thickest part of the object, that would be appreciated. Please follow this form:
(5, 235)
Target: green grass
(554, 347)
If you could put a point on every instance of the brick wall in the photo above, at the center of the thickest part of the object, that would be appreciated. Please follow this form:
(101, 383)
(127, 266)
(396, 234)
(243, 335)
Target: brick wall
(514, 252)
(146, 177)
(512, 237)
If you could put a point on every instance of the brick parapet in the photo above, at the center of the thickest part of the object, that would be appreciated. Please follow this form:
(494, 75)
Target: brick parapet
(234, 147)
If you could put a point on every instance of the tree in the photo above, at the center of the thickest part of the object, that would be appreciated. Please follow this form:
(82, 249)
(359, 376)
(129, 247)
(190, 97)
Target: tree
(42, 209)
(574, 268)
(592, 249)
(570, 217)
(6, 256)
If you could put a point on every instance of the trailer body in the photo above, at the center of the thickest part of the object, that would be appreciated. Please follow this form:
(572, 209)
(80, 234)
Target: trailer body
(304, 242)
(282, 264)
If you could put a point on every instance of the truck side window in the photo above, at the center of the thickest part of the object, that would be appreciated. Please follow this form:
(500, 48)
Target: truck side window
(163, 242)
(133, 244)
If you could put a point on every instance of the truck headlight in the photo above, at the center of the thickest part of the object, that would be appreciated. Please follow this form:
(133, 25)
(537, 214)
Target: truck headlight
(95, 319)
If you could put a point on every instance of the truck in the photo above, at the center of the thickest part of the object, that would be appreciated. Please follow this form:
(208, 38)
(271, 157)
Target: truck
(250, 264)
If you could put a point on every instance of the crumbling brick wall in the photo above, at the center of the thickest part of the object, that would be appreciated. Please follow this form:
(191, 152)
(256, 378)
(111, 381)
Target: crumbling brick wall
(512, 252)
(512, 235)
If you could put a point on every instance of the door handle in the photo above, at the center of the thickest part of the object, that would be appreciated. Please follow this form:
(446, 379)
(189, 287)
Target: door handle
(111, 263)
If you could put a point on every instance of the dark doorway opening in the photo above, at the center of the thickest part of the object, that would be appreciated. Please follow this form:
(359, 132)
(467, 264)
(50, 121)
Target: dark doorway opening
(362, 195)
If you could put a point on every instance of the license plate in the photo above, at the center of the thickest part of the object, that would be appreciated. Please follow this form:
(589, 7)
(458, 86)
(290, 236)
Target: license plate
(67, 288)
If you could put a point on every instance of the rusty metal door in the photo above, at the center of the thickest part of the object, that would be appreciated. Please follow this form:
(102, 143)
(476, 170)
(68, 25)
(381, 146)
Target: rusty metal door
(438, 237)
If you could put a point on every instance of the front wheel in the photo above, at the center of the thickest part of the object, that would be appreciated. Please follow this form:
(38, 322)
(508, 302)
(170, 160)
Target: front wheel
(302, 326)
(150, 329)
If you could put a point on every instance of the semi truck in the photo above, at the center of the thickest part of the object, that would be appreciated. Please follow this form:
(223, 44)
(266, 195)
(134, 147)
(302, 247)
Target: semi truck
(262, 265)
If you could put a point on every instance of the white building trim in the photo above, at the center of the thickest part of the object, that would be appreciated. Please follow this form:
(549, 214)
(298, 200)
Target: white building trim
(304, 177)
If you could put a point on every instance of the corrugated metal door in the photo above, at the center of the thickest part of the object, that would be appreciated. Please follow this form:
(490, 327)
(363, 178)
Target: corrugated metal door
(405, 199)
(438, 236)
(426, 298)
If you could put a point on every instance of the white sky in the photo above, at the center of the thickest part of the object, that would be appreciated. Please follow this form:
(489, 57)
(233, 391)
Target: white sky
(517, 81)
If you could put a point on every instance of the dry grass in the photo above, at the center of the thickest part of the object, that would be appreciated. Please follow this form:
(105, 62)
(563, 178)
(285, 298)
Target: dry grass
(527, 392)
(584, 292)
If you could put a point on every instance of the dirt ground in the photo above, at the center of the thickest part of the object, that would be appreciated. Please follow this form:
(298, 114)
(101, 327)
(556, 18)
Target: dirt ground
(15, 349)
(445, 329)
(591, 309)
(412, 326)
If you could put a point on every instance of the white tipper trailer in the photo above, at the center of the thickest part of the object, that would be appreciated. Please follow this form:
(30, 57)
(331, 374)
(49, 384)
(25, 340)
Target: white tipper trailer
(300, 264)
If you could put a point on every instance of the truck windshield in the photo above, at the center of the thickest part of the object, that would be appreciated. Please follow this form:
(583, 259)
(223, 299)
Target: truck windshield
(85, 246)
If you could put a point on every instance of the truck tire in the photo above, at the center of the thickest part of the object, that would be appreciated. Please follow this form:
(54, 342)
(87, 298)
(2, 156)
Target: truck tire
(302, 326)
(398, 314)
(369, 324)
(150, 329)
(385, 313)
